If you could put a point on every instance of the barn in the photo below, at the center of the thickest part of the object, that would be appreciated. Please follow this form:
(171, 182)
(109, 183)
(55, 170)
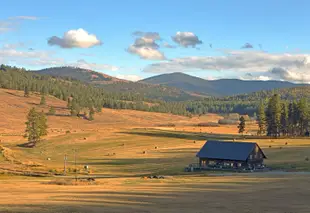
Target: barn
(231, 155)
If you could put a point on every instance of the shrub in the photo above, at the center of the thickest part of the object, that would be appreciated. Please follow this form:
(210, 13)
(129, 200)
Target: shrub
(167, 125)
(208, 124)
(228, 121)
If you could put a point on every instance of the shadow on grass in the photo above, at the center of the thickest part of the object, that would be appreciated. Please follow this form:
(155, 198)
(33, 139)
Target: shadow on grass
(180, 135)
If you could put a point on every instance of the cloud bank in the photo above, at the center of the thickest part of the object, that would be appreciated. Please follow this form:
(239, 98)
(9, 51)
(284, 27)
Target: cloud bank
(261, 65)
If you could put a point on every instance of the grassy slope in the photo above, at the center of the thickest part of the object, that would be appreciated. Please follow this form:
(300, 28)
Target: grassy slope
(139, 132)
(114, 143)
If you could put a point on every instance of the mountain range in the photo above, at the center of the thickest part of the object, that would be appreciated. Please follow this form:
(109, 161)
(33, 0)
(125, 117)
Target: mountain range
(170, 87)
(222, 87)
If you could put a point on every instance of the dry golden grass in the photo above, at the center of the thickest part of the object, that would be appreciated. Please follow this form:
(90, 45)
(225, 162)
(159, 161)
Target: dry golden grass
(122, 143)
(232, 194)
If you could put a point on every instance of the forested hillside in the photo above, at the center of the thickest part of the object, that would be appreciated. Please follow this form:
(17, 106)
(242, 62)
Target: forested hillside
(89, 96)
(115, 85)
(221, 87)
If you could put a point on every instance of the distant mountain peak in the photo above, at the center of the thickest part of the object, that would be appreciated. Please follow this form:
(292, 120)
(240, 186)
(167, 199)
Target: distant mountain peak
(220, 87)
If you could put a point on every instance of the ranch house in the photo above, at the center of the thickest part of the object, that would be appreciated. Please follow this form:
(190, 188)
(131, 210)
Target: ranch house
(231, 155)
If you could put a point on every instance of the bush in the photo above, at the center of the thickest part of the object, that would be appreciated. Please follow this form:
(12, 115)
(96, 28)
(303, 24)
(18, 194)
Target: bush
(167, 125)
(228, 121)
(208, 124)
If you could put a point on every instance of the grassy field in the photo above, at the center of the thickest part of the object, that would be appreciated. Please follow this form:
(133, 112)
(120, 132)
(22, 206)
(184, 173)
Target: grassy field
(129, 144)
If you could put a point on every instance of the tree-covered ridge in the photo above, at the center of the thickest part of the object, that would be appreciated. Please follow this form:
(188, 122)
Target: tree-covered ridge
(116, 85)
(84, 95)
(84, 75)
(88, 96)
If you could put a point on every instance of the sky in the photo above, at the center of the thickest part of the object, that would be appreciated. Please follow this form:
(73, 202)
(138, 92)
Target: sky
(136, 39)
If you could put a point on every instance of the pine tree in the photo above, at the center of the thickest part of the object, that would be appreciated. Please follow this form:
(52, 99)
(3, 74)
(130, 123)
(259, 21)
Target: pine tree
(303, 116)
(75, 108)
(284, 119)
(52, 111)
(273, 116)
(26, 91)
(261, 119)
(42, 101)
(36, 126)
(241, 125)
(69, 103)
(91, 113)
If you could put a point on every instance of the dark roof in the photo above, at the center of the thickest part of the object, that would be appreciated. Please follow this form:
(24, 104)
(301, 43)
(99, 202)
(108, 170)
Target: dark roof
(227, 150)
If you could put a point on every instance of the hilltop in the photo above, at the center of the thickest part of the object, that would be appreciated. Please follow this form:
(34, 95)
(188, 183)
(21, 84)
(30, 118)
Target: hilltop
(84, 75)
(115, 85)
(222, 87)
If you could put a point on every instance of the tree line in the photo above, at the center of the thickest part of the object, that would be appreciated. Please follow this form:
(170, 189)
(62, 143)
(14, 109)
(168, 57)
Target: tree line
(87, 96)
(277, 117)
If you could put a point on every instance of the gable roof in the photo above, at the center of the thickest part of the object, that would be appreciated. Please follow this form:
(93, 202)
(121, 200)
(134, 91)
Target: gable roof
(227, 150)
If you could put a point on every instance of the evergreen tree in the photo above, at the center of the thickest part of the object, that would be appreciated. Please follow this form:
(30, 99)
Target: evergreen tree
(273, 116)
(303, 116)
(52, 111)
(26, 91)
(284, 119)
(42, 101)
(75, 108)
(91, 113)
(69, 103)
(241, 125)
(36, 126)
(261, 119)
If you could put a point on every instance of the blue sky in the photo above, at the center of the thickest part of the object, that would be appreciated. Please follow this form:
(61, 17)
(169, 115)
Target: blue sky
(277, 32)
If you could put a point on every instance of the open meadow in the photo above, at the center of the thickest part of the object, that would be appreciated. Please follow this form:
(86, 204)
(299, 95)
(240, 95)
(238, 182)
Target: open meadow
(121, 146)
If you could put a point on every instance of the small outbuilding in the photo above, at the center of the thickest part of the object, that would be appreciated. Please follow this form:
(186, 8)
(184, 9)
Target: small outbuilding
(231, 155)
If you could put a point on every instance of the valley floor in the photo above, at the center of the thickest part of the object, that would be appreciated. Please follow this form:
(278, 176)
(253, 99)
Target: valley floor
(199, 193)
(130, 144)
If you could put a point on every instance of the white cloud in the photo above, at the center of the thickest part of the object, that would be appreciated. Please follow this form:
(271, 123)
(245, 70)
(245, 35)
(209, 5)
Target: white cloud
(93, 66)
(12, 23)
(258, 63)
(146, 53)
(33, 18)
(8, 55)
(129, 77)
(186, 39)
(75, 39)
(145, 46)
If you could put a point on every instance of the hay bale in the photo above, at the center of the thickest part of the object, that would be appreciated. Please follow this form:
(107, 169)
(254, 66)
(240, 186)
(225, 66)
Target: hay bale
(285, 143)
(48, 159)
(144, 152)
(270, 146)
(156, 147)
(194, 141)
(85, 138)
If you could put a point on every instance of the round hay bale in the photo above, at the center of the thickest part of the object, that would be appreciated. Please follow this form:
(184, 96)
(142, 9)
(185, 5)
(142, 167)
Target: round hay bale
(48, 158)
(270, 146)
(144, 152)
(156, 147)
(285, 143)
(85, 138)
(194, 141)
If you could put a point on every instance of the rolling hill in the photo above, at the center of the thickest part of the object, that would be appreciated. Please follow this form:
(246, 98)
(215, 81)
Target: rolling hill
(115, 85)
(84, 75)
(222, 87)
